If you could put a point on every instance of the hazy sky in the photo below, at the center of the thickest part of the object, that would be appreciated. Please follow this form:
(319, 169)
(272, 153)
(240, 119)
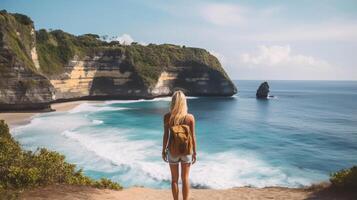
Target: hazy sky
(301, 39)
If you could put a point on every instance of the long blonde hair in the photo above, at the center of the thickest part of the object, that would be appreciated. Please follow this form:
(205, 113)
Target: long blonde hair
(178, 108)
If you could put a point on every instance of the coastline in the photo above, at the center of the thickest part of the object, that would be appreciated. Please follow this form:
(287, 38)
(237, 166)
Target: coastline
(82, 192)
(14, 119)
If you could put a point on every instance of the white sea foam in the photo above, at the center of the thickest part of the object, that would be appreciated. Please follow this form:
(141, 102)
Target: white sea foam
(141, 161)
(110, 146)
(130, 156)
(144, 100)
(52, 123)
(97, 122)
(272, 97)
(123, 101)
(229, 169)
(92, 107)
(138, 162)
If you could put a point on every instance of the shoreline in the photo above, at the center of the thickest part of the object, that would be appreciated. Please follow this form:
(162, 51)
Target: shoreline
(14, 119)
(22, 117)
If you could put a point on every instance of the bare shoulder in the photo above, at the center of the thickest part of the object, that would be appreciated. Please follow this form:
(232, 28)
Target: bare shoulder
(190, 117)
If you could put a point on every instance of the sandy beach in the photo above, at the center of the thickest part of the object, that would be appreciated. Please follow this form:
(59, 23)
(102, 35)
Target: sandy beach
(20, 118)
(138, 193)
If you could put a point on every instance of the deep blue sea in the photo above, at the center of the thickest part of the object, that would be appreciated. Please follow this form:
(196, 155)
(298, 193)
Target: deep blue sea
(298, 137)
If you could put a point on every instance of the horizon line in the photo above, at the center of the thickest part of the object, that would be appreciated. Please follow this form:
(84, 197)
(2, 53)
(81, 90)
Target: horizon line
(355, 80)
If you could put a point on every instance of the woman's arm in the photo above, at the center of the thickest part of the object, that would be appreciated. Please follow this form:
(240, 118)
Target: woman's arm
(164, 139)
(192, 127)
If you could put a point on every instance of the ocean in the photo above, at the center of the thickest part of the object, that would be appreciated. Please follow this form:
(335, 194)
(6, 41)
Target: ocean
(298, 137)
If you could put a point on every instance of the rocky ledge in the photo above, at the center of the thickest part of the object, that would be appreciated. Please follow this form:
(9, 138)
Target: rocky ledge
(41, 67)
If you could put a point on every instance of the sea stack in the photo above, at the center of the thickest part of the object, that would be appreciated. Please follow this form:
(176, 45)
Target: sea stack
(263, 91)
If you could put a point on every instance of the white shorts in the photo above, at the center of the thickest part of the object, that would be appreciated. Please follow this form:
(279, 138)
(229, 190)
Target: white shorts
(178, 159)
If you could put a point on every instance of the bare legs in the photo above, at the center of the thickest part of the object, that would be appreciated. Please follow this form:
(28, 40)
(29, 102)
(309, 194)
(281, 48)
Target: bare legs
(174, 180)
(185, 172)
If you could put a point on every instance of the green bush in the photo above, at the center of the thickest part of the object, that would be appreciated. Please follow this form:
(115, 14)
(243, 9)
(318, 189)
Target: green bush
(21, 169)
(106, 183)
(345, 178)
(23, 19)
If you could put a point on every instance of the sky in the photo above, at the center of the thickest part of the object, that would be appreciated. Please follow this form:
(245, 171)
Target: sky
(256, 39)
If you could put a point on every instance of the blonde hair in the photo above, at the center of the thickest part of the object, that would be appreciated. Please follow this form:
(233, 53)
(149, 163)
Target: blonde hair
(178, 108)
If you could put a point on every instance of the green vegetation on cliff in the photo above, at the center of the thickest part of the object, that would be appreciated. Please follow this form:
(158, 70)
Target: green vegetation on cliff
(16, 39)
(345, 179)
(57, 48)
(24, 169)
(151, 60)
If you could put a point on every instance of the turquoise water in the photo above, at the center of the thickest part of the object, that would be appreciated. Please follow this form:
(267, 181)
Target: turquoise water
(298, 137)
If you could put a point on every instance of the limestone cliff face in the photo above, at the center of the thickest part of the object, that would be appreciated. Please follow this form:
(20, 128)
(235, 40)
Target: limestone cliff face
(102, 75)
(21, 86)
(40, 67)
(194, 82)
(109, 76)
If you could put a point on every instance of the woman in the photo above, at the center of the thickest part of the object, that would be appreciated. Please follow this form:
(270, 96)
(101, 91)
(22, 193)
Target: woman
(178, 115)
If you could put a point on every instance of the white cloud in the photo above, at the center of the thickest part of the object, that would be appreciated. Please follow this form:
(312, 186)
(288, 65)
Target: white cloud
(143, 43)
(125, 39)
(338, 31)
(222, 14)
(232, 28)
(270, 11)
(225, 14)
(280, 62)
(280, 55)
(270, 24)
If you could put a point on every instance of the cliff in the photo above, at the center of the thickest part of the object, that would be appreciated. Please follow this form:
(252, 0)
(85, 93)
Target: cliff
(40, 67)
(22, 86)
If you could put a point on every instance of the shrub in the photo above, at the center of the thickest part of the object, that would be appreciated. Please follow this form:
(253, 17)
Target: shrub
(106, 183)
(345, 178)
(23, 19)
(21, 169)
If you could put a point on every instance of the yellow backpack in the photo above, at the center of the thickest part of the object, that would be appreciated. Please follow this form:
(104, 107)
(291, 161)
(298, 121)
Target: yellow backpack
(180, 140)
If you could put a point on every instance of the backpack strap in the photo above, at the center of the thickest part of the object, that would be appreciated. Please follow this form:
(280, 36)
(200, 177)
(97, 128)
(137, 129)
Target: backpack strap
(168, 140)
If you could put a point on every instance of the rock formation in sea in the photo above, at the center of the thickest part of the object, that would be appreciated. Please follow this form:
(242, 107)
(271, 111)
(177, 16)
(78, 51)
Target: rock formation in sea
(263, 91)
(41, 67)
